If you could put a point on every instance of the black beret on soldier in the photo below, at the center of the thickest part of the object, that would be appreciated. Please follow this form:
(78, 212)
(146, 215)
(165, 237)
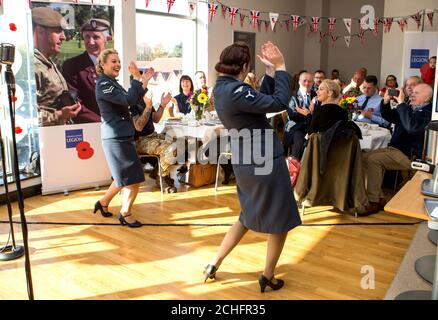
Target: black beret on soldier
(47, 17)
(96, 25)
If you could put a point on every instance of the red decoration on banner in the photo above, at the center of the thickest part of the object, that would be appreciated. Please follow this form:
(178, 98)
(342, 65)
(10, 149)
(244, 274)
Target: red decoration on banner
(242, 19)
(402, 24)
(376, 26)
(212, 7)
(361, 36)
(334, 39)
(331, 22)
(430, 17)
(84, 150)
(315, 24)
(13, 27)
(18, 130)
(387, 23)
(295, 21)
(170, 5)
(14, 99)
(322, 36)
(224, 11)
(417, 18)
(233, 12)
(254, 17)
(147, 3)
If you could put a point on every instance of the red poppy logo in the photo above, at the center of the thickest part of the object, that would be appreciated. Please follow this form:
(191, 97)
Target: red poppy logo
(84, 150)
(13, 27)
(18, 130)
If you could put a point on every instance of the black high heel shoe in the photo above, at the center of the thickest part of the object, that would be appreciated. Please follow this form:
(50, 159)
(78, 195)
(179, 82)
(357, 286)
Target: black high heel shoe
(210, 272)
(263, 282)
(99, 206)
(123, 222)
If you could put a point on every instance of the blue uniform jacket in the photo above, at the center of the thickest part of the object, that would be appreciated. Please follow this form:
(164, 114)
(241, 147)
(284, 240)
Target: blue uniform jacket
(114, 103)
(240, 107)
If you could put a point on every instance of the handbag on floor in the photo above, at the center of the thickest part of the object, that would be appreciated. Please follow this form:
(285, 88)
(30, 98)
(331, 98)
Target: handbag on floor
(202, 174)
(294, 169)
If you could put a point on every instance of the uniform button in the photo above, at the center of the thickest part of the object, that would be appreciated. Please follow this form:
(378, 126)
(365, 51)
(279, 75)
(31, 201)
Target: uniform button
(123, 118)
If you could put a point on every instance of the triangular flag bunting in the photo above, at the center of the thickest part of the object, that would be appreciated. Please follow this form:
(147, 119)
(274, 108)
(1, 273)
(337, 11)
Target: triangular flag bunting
(212, 8)
(295, 21)
(259, 25)
(430, 17)
(331, 22)
(287, 22)
(362, 24)
(347, 40)
(233, 12)
(322, 36)
(402, 24)
(334, 39)
(242, 19)
(224, 9)
(266, 25)
(417, 18)
(361, 36)
(315, 24)
(254, 17)
(170, 5)
(347, 22)
(273, 17)
(376, 26)
(192, 7)
(387, 23)
(147, 3)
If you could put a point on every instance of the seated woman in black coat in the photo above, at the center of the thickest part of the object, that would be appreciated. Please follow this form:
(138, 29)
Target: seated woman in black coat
(329, 112)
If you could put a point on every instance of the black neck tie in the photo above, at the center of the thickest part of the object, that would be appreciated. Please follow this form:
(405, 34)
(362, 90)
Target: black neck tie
(365, 102)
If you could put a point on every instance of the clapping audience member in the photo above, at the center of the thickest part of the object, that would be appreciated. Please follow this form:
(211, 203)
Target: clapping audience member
(406, 143)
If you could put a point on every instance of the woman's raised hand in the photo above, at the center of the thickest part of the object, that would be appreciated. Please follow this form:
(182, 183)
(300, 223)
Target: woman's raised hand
(148, 75)
(134, 70)
(273, 55)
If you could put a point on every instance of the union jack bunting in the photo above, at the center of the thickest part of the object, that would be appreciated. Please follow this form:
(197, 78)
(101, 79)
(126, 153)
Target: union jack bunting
(376, 26)
(417, 18)
(212, 7)
(242, 19)
(147, 3)
(361, 36)
(315, 24)
(266, 25)
(170, 5)
(387, 23)
(295, 21)
(402, 24)
(254, 17)
(287, 22)
(224, 11)
(430, 17)
(331, 22)
(334, 39)
(233, 12)
(259, 25)
(322, 36)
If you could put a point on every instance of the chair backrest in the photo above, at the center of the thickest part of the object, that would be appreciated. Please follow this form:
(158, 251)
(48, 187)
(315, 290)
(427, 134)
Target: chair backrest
(342, 185)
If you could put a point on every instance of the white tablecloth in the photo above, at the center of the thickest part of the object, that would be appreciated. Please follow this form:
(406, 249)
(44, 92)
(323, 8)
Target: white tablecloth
(203, 132)
(375, 139)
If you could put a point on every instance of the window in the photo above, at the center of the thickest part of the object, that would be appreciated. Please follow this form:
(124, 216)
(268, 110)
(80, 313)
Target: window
(166, 42)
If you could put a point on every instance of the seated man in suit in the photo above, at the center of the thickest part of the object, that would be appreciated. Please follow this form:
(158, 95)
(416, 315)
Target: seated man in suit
(299, 115)
(80, 71)
(369, 104)
(406, 143)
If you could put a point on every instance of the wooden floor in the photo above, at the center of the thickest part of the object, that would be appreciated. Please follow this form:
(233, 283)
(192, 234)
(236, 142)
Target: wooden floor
(165, 260)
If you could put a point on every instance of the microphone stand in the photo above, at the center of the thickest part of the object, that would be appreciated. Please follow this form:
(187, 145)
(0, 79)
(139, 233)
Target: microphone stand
(10, 80)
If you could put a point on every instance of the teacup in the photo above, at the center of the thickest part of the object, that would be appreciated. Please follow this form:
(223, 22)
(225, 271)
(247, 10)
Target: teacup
(374, 126)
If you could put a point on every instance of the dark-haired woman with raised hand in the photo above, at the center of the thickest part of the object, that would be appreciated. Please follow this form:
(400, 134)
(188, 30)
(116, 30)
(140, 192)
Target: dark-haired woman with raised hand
(266, 197)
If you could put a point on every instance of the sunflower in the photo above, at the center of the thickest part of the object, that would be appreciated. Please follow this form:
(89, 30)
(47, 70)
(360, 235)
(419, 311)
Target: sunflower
(202, 98)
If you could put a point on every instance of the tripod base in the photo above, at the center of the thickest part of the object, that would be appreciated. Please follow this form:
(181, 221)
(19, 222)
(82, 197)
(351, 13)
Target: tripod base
(415, 295)
(11, 253)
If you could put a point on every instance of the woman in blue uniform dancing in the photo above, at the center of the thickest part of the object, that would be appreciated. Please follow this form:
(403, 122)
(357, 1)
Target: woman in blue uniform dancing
(118, 131)
(266, 197)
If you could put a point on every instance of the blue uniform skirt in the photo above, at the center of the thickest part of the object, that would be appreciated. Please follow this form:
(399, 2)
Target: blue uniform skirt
(267, 201)
(123, 161)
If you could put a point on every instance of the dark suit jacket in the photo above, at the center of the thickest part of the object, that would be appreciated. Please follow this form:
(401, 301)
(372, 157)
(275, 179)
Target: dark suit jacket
(80, 74)
(301, 122)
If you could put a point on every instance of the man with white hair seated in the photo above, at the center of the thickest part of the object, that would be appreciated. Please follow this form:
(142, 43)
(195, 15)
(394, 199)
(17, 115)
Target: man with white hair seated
(406, 144)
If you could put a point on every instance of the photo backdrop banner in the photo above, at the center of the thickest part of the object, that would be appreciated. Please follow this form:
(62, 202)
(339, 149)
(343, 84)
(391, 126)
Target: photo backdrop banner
(72, 157)
(417, 48)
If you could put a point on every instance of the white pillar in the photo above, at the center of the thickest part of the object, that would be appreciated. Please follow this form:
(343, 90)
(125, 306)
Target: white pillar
(125, 36)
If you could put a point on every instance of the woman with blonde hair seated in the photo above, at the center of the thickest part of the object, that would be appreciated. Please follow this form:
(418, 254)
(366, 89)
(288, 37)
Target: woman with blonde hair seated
(329, 112)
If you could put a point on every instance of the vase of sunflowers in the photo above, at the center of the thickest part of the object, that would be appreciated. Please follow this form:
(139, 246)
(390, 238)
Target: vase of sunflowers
(199, 102)
(350, 104)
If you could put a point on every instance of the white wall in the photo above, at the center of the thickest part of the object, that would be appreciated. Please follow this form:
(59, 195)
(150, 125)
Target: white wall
(221, 33)
(392, 50)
